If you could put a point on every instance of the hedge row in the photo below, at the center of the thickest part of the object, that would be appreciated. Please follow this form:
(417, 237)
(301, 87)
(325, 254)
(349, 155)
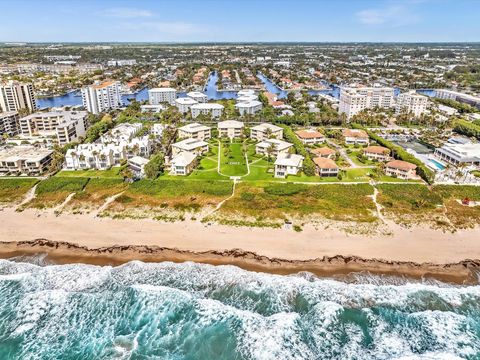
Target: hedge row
(308, 165)
(466, 128)
(400, 153)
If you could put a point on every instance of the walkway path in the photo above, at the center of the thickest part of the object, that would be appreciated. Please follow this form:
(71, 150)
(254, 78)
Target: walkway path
(59, 208)
(29, 196)
(219, 205)
(107, 202)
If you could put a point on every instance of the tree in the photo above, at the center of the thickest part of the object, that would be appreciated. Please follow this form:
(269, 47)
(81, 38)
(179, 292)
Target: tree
(154, 168)
(270, 151)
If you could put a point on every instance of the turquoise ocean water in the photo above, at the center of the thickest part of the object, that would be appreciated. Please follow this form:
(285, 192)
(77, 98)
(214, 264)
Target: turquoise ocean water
(193, 311)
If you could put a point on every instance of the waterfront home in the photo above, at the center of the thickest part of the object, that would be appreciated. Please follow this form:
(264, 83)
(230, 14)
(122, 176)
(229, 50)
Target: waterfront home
(326, 167)
(266, 131)
(24, 160)
(310, 136)
(194, 131)
(277, 147)
(458, 154)
(248, 107)
(288, 164)
(182, 163)
(324, 152)
(230, 128)
(355, 136)
(194, 146)
(212, 109)
(137, 164)
(377, 153)
(401, 169)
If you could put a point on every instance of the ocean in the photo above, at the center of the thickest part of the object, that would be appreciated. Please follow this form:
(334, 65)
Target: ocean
(195, 311)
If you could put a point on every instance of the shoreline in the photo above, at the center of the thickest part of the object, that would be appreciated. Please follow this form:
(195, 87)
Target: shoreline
(60, 253)
(324, 249)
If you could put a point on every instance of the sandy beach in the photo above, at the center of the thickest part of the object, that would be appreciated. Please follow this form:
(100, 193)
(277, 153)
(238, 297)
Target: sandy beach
(418, 251)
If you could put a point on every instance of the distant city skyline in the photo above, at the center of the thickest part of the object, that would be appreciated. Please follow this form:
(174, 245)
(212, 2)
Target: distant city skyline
(239, 21)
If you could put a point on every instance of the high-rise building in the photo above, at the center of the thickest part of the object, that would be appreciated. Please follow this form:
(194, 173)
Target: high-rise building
(15, 96)
(355, 99)
(412, 103)
(102, 97)
(9, 123)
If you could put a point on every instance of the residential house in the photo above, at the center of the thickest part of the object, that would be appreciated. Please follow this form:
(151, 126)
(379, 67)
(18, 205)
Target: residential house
(326, 167)
(355, 136)
(288, 164)
(310, 136)
(182, 163)
(377, 153)
(324, 152)
(137, 165)
(401, 169)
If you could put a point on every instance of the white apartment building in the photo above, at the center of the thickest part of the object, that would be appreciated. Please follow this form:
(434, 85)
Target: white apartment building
(9, 123)
(152, 108)
(198, 96)
(94, 156)
(249, 107)
(265, 131)
(458, 96)
(288, 164)
(122, 132)
(457, 154)
(230, 128)
(195, 131)
(355, 99)
(411, 103)
(15, 96)
(157, 130)
(215, 110)
(278, 147)
(24, 160)
(184, 104)
(194, 146)
(157, 96)
(137, 165)
(67, 126)
(102, 97)
(123, 62)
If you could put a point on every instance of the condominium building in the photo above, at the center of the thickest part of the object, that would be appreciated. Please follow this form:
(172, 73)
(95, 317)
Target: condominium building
(355, 99)
(411, 103)
(266, 131)
(277, 147)
(195, 131)
(194, 146)
(184, 104)
(458, 96)
(102, 97)
(67, 126)
(215, 110)
(230, 128)
(24, 160)
(182, 164)
(162, 95)
(9, 123)
(16, 96)
(457, 154)
(248, 107)
(198, 96)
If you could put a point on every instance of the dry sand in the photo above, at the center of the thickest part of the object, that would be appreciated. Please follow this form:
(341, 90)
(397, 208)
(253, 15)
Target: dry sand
(419, 251)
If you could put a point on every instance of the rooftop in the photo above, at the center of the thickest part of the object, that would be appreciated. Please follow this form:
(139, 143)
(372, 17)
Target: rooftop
(309, 134)
(324, 163)
(289, 160)
(230, 124)
(401, 165)
(193, 127)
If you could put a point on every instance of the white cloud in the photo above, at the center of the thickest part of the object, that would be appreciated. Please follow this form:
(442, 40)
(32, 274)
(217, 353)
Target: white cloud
(126, 13)
(394, 15)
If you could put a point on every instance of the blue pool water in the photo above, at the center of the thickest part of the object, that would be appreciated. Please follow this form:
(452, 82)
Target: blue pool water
(437, 164)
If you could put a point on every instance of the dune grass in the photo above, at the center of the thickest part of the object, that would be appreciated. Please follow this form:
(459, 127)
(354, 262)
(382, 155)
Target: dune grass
(13, 190)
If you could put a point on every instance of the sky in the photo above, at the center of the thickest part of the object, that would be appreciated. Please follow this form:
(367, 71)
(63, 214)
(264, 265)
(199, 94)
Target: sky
(240, 20)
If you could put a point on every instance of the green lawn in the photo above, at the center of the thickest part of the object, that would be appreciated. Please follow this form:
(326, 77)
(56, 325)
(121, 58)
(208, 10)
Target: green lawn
(14, 189)
(232, 160)
(111, 173)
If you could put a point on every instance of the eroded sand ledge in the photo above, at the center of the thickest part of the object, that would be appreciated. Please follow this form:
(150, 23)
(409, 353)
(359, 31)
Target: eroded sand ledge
(416, 252)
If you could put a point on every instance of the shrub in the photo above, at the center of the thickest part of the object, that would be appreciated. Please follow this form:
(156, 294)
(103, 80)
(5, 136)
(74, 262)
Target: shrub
(285, 189)
(247, 196)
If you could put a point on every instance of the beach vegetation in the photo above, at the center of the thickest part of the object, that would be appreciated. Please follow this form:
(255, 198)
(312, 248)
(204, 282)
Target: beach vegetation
(14, 189)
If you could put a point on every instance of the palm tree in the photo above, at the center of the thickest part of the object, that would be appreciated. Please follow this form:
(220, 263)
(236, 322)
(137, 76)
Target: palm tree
(270, 151)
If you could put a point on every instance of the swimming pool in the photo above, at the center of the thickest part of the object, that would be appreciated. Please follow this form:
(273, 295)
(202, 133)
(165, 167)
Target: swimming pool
(438, 165)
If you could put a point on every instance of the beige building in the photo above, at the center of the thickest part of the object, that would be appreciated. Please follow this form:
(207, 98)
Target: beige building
(67, 126)
(195, 131)
(326, 167)
(9, 123)
(355, 136)
(310, 136)
(355, 99)
(377, 153)
(278, 147)
(411, 103)
(194, 146)
(401, 169)
(24, 160)
(266, 131)
(182, 164)
(230, 128)
(15, 96)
